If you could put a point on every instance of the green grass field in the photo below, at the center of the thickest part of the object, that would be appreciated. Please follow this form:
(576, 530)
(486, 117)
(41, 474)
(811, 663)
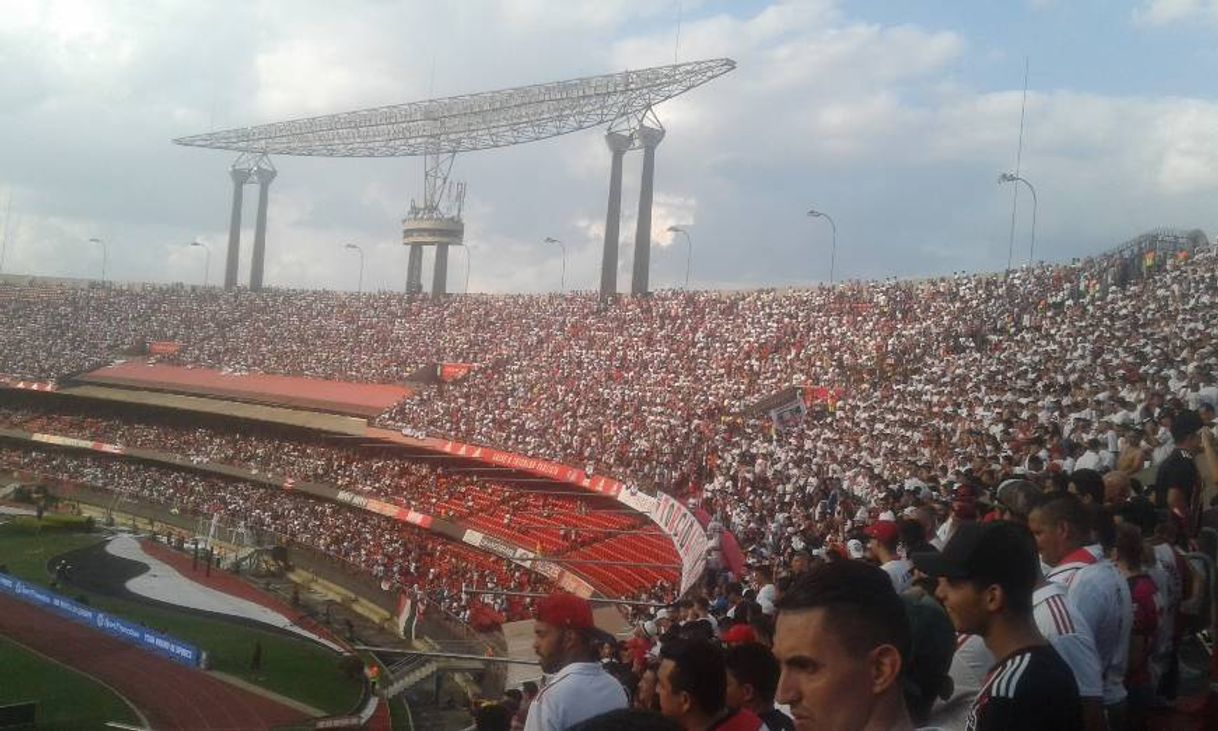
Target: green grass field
(66, 699)
(294, 668)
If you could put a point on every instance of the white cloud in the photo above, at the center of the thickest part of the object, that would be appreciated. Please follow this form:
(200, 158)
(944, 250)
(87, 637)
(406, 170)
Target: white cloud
(877, 123)
(1167, 12)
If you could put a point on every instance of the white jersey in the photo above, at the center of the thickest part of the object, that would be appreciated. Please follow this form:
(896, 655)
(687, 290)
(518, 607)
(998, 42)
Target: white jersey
(576, 693)
(901, 572)
(1064, 627)
(1102, 597)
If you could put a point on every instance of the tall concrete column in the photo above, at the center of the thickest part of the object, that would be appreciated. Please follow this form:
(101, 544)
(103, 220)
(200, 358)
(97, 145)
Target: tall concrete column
(239, 176)
(439, 280)
(618, 144)
(264, 176)
(650, 137)
(414, 270)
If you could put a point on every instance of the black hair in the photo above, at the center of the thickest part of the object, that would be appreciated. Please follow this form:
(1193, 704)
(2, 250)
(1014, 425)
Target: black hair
(860, 603)
(492, 717)
(1068, 509)
(530, 688)
(698, 670)
(1090, 484)
(753, 664)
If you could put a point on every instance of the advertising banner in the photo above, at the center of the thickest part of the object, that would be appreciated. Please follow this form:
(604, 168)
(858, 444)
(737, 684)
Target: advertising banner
(453, 372)
(164, 347)
(142, 637)
(687, 535)
(78, 443)
(523, 557)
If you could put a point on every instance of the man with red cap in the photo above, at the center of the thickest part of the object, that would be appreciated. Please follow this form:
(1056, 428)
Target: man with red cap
(884, 537)
(577, 686)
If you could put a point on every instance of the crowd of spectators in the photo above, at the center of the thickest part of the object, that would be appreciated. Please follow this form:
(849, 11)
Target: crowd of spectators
(1061, 400)
(399, 555)
(555, 524)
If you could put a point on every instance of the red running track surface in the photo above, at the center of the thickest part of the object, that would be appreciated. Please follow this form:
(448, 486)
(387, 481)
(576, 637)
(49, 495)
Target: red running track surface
(358, 399)
(168, 694)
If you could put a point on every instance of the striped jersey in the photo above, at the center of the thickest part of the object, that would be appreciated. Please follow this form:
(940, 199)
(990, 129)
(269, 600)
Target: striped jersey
(1031, 688)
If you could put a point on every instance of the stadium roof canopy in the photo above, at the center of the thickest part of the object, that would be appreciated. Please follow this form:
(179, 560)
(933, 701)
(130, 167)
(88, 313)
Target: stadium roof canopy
(470, 122)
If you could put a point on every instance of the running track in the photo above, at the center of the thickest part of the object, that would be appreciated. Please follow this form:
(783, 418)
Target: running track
(168, 694)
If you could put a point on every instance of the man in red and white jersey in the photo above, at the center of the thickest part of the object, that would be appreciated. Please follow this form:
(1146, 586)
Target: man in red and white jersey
(1062, 529)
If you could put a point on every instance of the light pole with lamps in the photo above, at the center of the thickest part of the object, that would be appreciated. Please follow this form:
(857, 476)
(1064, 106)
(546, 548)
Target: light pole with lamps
(1013, 178)
(105, 255)
(833, 250)
(467, 248)
(689, 250)
(206, 261)
(355, 247)
(562, 282)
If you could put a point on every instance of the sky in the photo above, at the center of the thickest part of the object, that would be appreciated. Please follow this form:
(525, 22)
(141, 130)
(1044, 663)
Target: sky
(893, 117)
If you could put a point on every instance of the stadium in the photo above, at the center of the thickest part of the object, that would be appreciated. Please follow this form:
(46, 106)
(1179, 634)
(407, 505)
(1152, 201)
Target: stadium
(974, 501)
(641, 474)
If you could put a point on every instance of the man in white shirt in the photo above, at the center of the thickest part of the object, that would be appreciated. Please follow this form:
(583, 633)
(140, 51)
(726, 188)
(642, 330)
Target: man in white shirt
(767, 593)
(577, 686)
(1061, 527)
(1090, 459)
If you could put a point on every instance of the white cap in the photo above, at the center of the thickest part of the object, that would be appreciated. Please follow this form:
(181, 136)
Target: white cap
(855, 548)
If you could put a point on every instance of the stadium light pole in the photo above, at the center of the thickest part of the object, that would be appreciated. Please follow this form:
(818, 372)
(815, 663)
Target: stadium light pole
(467, 249)
(105, 255)
(207, 261)
(355, 247)
(833, 250)
(689, 250)
(562, 287)
(1013, 178)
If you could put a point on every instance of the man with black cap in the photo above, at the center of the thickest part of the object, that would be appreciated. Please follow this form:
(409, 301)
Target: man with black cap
(577, 686)
(987, 574)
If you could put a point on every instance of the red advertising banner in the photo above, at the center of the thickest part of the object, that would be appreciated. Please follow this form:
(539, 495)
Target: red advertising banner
(164, 347)
(452, 372)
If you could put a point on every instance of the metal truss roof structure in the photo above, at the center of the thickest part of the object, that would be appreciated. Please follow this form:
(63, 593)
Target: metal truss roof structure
(471, 122)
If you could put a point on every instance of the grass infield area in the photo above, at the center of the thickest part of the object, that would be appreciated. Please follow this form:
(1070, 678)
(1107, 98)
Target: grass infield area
(297, 669)
(66, 699)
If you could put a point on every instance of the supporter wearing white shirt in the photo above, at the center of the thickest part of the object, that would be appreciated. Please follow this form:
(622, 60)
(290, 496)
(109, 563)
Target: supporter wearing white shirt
(1064, 627)
(1090, 459)
(577, 686)
(767, 594)
(1093, 585)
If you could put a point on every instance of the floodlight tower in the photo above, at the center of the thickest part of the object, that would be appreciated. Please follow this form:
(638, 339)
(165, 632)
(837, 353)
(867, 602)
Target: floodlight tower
(436, 221)
(438, 129)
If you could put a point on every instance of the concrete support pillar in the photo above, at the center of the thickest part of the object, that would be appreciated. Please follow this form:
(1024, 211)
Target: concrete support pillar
(239, 176)
(650, 138)
(414, 270)
(618, 144)
(264, 177)
(439, 280)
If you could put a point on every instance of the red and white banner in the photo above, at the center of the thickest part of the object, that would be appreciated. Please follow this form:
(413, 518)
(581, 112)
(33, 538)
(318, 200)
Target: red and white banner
(522, 556)
(78, 443)
(164, 347)
(452, 372)
(381, 507)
